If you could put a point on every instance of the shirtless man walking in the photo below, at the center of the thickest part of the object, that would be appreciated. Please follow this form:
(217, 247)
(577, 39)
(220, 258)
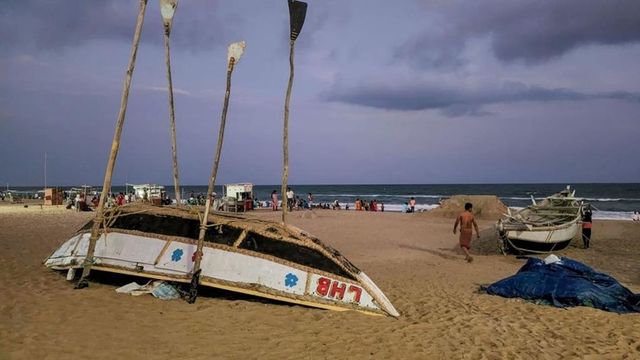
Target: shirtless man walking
(466, 220)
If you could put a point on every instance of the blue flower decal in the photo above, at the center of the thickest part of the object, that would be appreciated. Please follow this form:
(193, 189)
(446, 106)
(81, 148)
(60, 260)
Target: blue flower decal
(177, 255)
(290, 280)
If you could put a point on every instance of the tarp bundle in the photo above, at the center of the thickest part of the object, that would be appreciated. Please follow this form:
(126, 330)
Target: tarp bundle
(160, 289)
(566, 283)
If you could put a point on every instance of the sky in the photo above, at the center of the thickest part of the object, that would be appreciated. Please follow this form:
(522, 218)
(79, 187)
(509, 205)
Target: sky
(385, 92)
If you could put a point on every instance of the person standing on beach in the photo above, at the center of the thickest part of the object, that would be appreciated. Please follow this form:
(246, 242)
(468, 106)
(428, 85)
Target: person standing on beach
(586, 227)
(466, 221)
(120, 199)
(274, 200)
(358, 205)
(412, 204)
(290, 198)
(310, 200)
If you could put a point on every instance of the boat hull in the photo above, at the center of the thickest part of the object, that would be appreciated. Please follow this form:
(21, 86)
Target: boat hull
(546, 235)
(543, 239)
(537, 247)
(154, 257)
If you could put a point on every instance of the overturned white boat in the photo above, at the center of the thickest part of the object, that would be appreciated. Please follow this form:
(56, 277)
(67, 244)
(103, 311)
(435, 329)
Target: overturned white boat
(544, 227)
(240, 254)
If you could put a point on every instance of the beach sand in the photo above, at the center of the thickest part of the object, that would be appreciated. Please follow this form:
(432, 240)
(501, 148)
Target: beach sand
(412, 257)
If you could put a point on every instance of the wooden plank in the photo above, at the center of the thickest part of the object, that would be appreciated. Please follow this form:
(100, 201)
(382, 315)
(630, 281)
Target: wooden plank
(145, 274)
(240, 238)
(285, 299)
(164, 249)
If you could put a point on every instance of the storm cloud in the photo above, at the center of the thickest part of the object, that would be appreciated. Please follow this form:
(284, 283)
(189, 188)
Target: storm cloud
(367, 95)
(456, 101)
(519, 30)
(51, 25)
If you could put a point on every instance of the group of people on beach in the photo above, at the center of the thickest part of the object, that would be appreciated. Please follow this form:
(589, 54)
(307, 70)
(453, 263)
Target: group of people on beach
(81, 200)
(363, 205)
(294, 202)
(409, 207)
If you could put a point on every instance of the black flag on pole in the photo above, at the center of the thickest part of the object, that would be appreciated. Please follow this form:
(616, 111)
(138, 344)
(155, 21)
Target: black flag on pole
(297, 13)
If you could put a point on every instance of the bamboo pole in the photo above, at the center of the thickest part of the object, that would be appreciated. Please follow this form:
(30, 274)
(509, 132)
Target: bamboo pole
(297, 14)
(168, 8)
(234, 53)
(115, 146)
(285, 135)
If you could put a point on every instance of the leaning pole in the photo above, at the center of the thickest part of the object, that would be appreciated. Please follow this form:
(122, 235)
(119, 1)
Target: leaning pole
(167, 10)
(234, 52)
(115, 146)
(297, 13)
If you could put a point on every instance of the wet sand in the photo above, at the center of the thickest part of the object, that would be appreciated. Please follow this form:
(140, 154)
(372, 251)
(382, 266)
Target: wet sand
(412, 257)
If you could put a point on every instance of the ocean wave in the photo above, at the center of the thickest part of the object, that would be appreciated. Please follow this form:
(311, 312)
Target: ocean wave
(598, 215)
(382, 195)
(613, 215)
(430, 196)
(395, 207)
(611, 199)
(584, 198)
(398, 207)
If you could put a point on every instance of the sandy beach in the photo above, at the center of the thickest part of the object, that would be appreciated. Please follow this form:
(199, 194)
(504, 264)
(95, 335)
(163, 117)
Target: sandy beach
(412, 257)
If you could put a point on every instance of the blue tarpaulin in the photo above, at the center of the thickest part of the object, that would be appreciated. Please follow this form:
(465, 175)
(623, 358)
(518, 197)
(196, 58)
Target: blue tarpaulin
(567, 283)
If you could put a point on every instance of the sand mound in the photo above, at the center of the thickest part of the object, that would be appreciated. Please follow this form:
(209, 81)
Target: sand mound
(487, 207)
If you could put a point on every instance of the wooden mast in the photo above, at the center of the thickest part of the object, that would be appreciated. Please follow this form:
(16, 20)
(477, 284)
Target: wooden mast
(167, 10)
(297, 13)
(234, 53)
(115, 146)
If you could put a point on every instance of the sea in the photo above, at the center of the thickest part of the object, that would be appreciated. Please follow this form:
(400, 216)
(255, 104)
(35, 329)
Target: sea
(610, 201)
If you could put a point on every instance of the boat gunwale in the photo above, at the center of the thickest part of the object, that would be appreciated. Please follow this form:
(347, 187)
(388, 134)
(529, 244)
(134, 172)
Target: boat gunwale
(222, 247)
(258, 226)
(535, 228)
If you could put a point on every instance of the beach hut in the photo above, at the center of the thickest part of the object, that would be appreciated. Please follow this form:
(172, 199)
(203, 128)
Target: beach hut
(52, 196)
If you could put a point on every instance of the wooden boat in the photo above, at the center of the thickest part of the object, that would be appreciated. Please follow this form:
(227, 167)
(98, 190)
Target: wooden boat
(544, 227)
(240, 254)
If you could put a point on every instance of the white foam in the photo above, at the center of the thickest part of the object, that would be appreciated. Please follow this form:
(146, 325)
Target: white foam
(396, 207)
(373, 196)
(613, 215)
